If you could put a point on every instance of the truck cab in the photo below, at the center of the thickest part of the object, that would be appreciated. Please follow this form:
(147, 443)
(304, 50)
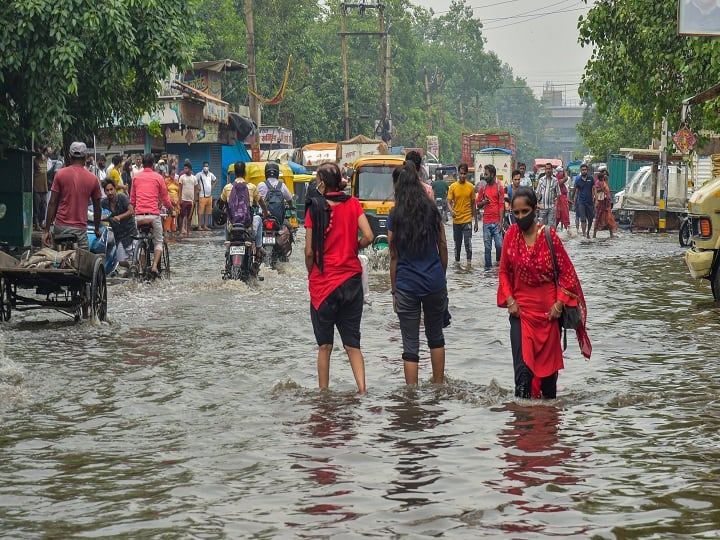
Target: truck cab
(703, 259)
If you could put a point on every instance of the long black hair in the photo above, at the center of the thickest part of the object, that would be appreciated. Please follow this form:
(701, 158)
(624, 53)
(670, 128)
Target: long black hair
(528, 194)
(415, 218)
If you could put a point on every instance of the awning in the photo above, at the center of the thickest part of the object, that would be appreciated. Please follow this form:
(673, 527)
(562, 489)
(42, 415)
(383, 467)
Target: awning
(648, 154)
(705, 95)
(219, 65)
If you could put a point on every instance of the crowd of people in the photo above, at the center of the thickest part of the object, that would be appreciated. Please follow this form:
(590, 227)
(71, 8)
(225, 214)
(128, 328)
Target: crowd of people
(537, 280)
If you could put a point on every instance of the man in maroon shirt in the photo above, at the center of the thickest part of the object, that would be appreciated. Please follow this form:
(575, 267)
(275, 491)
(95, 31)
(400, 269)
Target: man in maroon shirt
(73, 188)
(148, 187)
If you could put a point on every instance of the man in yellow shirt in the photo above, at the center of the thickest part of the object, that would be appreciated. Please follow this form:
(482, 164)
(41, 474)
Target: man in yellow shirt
(114, 174)
(461, 205)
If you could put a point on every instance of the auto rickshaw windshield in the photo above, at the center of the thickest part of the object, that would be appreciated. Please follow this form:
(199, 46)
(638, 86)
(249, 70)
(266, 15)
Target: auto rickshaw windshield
(374, 183)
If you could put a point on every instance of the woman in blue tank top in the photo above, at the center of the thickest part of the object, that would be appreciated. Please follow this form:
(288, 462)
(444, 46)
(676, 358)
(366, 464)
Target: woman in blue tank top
(418, 261)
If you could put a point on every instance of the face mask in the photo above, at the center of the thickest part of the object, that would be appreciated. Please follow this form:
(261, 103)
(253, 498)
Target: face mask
(206, 169)
(526, 222)
(162, 168)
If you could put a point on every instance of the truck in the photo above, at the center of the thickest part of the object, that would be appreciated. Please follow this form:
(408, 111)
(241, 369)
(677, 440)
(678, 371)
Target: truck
(501, 158)
(474, 142)
(315, 154)
(703, 256)
(352, 149)
(638, 204)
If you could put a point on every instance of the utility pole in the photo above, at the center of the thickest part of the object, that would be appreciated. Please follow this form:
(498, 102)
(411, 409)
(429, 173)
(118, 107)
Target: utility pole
(428, 104)
(662, 214)
(462, 116)
(343, 46)
(384, 60)
(252, 75)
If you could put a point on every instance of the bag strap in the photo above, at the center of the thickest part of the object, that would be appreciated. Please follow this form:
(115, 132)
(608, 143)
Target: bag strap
(548, 237)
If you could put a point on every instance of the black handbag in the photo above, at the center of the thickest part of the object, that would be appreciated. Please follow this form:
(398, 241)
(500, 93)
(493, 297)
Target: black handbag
(570, 318)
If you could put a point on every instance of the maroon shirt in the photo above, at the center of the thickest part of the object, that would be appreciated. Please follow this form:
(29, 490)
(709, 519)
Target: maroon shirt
(77, 188)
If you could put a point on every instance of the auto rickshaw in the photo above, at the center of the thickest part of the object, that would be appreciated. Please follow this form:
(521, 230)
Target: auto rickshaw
(371, 182)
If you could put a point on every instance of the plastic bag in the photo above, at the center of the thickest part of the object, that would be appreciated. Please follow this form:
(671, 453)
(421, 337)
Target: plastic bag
(365, 281)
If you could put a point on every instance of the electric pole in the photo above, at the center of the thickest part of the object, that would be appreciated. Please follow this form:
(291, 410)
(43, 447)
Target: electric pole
(384, 60)
(252, 75)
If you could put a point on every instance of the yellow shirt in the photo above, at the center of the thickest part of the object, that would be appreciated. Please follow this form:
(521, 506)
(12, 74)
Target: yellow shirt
(463, 196)
(115, 175)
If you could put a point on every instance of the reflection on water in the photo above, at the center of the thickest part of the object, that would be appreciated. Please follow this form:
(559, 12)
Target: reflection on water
(414, 441)
(194, 413)
(535, 460)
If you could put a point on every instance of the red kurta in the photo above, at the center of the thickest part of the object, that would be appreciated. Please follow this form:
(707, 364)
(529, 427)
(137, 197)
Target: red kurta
(526, 274)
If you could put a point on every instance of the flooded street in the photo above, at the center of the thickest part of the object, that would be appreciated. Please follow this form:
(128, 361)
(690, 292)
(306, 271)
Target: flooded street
(195, 413)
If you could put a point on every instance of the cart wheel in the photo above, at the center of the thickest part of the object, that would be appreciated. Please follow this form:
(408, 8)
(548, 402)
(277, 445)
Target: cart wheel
(164, 265)
(98, 291)
(5, 300)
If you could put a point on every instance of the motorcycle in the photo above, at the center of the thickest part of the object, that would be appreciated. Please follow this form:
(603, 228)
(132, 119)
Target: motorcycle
(240, 258)
(278, 240)
(104, 244)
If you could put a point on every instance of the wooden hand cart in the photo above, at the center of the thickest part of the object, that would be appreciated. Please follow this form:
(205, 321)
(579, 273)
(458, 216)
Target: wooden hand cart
(71, 291)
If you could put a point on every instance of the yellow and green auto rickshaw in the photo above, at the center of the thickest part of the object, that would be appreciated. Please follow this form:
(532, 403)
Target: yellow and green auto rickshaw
(371, 182)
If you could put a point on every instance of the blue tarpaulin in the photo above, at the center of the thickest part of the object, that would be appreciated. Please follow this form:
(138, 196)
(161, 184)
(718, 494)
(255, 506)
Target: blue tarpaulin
(231, 154)
(297, 168)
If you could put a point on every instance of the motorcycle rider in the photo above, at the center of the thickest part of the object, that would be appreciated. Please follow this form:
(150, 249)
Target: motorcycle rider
(274, 192)
(440, 190)
(255, 199)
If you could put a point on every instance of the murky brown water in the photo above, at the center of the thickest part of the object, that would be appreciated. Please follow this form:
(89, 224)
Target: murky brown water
(195, 414)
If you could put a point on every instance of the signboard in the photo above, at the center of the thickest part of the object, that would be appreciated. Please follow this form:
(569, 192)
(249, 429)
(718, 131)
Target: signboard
(698, 18)
(315, 158)
(433, 145)
(275, 137)
(685, 140)
(208, 134)
(205, 81)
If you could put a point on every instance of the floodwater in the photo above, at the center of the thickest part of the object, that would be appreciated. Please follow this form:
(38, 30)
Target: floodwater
(194, 413)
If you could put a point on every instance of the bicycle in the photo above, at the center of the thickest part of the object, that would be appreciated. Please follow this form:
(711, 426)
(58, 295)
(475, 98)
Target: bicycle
(144, 252)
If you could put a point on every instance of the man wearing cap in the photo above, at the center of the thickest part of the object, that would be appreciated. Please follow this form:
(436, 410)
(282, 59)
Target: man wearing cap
(73, 188)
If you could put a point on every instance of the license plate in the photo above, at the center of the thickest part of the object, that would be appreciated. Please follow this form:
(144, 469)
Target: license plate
(268, 240)
(382, 211)
(237, 250)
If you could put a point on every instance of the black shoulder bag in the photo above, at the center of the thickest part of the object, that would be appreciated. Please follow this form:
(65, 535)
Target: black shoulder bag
(570, 318)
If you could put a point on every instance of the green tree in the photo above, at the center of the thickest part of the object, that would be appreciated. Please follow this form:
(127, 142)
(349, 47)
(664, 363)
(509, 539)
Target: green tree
(640, 67)
(78, 65)
(620, 127)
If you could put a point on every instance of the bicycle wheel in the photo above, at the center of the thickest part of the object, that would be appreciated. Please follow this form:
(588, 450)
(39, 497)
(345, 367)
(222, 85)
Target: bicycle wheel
(139, 266)
(164, 265)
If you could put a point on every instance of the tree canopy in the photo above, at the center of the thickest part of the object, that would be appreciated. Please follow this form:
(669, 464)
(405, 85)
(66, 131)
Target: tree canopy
(77, 65)
(463, 77)
(641, 70)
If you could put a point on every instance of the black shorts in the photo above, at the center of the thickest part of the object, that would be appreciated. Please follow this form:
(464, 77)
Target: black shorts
(343, 308)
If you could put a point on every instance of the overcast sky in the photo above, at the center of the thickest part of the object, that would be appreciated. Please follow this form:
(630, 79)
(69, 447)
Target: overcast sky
(537, 38)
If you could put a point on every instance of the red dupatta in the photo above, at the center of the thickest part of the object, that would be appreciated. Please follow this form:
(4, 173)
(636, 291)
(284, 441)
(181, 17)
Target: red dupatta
(535, 268)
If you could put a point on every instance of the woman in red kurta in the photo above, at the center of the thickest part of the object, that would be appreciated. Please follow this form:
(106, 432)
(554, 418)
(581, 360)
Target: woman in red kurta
(604, 218)
(527, 289)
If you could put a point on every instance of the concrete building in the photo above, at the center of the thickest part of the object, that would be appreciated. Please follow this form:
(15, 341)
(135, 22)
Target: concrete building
(564, 114)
